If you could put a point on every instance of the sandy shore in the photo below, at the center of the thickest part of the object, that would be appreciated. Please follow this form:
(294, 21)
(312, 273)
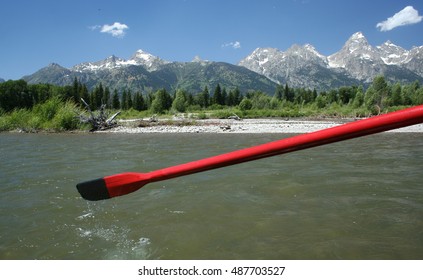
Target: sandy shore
(238, 126)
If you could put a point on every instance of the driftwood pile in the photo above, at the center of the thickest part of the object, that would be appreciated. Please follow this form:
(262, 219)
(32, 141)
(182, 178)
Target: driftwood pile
(101, 121)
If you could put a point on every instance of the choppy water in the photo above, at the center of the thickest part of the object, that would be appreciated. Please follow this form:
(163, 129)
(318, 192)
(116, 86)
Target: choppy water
(359, 199)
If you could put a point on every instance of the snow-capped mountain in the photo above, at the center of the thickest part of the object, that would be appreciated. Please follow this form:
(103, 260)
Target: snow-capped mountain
(262, 60)
(149, 61)
(140, 58)
(392, 54)
(357, 60)
(414, 61)
(300, 66)
(133, 74)
(109, 63)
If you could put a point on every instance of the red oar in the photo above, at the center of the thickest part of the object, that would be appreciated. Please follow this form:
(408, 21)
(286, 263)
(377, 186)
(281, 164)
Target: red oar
(124, 183)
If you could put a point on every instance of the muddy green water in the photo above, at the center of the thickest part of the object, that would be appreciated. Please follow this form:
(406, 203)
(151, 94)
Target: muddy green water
(359, 199)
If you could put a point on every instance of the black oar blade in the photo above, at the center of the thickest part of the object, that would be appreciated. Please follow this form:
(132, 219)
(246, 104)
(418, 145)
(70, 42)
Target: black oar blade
(93, 190)
(111, 186)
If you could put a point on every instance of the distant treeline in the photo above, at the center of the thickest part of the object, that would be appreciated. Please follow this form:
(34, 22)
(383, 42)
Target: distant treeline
(379, 95)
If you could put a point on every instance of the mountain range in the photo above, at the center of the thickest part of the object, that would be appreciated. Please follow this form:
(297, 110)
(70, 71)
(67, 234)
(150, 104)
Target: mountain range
(300, 66)
(154, 74)
(356, 62)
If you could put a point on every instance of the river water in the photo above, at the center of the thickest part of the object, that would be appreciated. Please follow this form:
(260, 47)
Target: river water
(358, 199)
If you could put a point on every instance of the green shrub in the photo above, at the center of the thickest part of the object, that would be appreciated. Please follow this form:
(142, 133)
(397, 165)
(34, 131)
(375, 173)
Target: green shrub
(202, 116)
(47, 110)
(65, 118)
(245, 104)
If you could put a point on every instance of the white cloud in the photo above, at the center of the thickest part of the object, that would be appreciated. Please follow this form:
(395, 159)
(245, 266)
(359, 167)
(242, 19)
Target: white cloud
(117, 29)
(235, 45)
(406, 16)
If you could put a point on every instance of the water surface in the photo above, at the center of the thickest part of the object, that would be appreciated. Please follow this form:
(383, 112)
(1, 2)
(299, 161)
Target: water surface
(359, 199)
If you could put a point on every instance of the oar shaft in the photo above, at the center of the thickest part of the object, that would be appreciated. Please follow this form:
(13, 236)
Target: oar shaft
(355, 129)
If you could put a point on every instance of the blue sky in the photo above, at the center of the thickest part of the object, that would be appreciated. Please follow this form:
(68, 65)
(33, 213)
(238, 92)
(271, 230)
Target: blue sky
(36, 33)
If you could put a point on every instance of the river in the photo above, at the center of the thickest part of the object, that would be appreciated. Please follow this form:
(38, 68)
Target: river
(358, 199)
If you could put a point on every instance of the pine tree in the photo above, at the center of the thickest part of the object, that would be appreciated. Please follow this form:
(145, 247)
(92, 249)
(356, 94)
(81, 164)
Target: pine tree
(289, 94)
(279, 92)
(396, 98)
(106, 97)
(162, 101)
(224, 97)
(204, 98)
(376, 95)
(218, 97)
(129, 102)
(359, 98)
(237, 96)
(75, 90)
(124, 101)
(99, 92)
(139, 103)
(115, 100)
(83, 93)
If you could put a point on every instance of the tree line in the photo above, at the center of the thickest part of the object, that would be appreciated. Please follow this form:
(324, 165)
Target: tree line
(379, 95)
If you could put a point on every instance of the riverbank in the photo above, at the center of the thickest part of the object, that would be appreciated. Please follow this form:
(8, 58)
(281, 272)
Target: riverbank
(236, 126)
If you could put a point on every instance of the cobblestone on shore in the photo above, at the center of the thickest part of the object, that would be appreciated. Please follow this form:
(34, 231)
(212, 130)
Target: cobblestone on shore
(241, 126)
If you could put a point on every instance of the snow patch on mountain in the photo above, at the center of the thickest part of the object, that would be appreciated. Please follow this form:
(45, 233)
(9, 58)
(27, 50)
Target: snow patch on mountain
(149, 61)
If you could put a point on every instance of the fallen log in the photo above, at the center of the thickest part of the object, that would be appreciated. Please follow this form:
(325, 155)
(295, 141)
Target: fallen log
(101, 121)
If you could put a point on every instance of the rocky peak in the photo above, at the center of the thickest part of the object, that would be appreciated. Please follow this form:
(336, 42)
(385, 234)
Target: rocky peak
(106, 64)
(392, 54)
(262, 59)
(356, 50)
(149, 61)
(301, 55)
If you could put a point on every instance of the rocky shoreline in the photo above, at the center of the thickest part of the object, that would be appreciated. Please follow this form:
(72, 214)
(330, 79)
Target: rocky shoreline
(236, 126)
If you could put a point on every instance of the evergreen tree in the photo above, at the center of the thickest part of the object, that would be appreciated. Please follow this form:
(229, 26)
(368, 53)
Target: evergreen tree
(237, 96)
(129, 102)
(359, 98)
(139, 103)
(396, 98)
(288, 94)
(279, 92)
(96, 97)
(418, 97)
(377, 94)
(162, 101)
(231, 98)
(332, 96)
(204, 98)
(115, 100)
(76, 90)
(224, 97)
(124, 101)
(190, 99)
(218, 97)
(406, 94)
(83, 93)
(99, 96)
(106, 97)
